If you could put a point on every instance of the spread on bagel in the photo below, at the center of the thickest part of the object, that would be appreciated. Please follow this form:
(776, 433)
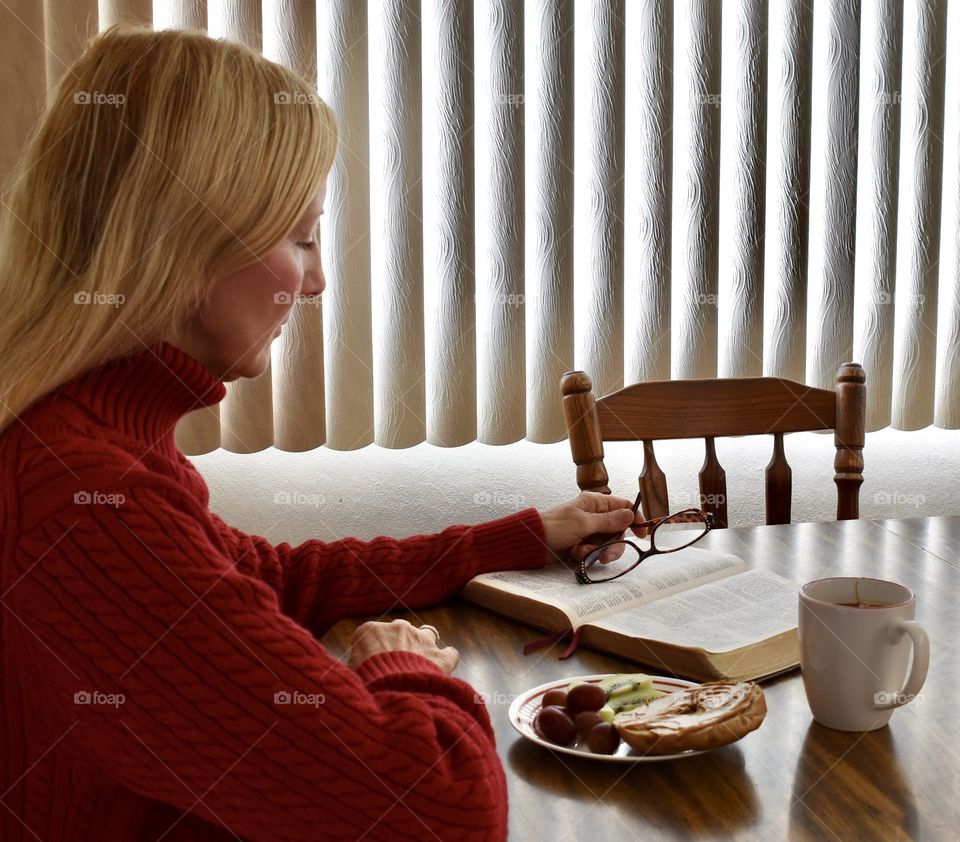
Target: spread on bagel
(698, 718)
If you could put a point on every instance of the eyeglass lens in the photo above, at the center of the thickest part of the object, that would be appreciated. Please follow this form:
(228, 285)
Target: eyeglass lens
(615, 559)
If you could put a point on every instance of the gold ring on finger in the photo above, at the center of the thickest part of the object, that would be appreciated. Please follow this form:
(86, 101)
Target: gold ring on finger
(436, 634)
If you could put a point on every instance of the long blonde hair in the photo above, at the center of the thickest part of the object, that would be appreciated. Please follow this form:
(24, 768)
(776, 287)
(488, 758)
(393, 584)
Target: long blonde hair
(164, 161)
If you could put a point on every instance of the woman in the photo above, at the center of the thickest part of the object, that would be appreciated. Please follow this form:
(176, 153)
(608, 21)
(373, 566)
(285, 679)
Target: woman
(161, 671)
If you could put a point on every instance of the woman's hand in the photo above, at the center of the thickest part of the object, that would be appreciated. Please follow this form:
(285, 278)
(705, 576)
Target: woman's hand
(373, 637)
(587, 521)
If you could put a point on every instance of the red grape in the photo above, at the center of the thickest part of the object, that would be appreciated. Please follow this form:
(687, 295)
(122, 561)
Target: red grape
(603, 739)
(554, 723)
(585, 720)
(585, 697)
(556, 696)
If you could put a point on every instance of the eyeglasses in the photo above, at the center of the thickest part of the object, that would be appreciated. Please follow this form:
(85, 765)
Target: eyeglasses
(617, 557)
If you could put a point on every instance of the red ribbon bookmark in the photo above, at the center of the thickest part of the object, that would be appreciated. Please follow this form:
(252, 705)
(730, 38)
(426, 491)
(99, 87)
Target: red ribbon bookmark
(550, 639)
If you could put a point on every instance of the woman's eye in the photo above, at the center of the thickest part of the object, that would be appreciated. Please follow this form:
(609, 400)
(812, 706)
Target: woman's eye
(307, 246)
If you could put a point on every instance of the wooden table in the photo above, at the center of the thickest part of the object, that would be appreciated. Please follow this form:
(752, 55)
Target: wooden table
(791, 779)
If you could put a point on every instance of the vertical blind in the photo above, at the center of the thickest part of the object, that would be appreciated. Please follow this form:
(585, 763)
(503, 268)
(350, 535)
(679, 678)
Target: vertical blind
(644, 189)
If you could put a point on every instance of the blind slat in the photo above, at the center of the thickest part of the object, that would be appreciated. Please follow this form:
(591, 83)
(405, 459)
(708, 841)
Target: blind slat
(237, 20)
(348, 343)
(740, 306)
(948, 330)
(649, 178)
(550, 210)
(290, 38)
(602, 161)
(290, 35)
(500, 288)
(919, 225)
(877, 195)
(696, 241)
(398, 373)
(125, 11)
(451, 344)
(785, 261)
(186, 14)
(246, 414)
(833, 190)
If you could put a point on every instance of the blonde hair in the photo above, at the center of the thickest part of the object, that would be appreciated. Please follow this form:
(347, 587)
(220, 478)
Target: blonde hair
(164, 161)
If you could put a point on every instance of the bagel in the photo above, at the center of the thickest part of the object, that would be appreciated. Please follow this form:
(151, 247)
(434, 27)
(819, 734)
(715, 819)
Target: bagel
(698, 718)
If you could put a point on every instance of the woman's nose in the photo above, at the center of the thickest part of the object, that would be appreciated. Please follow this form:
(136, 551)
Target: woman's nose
(314, 281)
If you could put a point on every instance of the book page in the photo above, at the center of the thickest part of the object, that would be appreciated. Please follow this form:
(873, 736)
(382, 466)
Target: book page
(655, 578)
(717, 617)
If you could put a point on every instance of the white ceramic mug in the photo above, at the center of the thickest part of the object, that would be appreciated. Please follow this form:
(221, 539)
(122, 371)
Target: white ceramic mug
(852, 658)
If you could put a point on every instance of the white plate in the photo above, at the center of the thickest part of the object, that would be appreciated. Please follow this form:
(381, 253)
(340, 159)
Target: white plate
(525, 706)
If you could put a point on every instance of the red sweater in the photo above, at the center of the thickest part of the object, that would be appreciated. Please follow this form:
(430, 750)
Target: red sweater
(161, 672)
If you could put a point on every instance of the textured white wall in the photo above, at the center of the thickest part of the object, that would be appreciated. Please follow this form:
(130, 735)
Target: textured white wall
(327, 494)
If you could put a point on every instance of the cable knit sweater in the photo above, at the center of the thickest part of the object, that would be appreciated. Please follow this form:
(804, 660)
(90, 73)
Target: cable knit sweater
(161, 674)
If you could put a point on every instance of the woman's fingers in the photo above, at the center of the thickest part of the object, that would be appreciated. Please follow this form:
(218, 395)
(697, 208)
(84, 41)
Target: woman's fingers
(612, 523)
(591, 519)
(605, 502)
(373, 637)
(611, 553)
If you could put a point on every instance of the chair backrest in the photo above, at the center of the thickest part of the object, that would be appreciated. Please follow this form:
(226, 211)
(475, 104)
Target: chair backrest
(740, 406)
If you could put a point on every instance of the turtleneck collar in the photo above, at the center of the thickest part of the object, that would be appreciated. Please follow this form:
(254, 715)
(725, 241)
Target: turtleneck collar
(146, 393)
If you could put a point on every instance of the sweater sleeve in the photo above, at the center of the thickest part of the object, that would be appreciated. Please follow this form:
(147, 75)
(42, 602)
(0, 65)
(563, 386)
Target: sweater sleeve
(182, 678)
(320, 583)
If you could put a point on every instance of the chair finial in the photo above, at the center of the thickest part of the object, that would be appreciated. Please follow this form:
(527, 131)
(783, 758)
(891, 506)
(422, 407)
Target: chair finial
(851, 373)
(575, 383)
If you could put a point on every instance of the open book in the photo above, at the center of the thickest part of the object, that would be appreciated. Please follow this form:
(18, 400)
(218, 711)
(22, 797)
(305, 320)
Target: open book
(694, 613)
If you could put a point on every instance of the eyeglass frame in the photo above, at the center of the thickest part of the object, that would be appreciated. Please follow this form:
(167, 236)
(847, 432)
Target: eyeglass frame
(581, 570)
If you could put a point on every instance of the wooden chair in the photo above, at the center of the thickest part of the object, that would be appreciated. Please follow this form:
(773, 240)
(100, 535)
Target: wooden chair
(742, 406)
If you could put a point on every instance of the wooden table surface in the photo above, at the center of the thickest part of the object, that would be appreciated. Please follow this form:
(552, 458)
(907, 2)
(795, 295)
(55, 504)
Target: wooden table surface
(791, 779)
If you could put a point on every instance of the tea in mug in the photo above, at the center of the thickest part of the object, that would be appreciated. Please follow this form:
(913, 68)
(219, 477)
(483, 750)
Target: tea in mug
(864, 604)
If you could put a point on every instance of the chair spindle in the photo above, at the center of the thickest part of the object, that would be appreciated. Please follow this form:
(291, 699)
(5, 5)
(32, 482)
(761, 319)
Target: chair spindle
(713, 484)
(653, 484)
(779, 484)
(848, 437)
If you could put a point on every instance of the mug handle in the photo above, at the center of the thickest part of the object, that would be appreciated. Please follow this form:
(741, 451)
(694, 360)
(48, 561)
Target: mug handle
(918, 671)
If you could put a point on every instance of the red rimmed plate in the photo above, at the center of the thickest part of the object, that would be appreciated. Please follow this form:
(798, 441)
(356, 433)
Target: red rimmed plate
(524, 709)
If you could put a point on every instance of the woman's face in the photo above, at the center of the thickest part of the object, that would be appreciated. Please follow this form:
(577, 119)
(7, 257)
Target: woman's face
(233, 332)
